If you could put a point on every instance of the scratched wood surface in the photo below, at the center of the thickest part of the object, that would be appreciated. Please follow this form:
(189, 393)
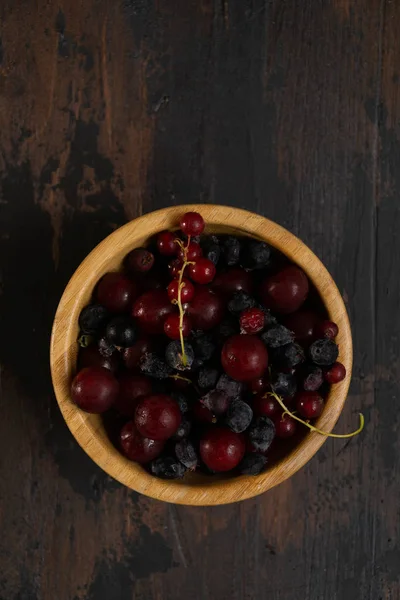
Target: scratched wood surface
(111, 108)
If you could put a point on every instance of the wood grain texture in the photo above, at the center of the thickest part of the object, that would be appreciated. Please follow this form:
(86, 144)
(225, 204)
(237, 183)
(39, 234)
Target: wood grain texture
(109, 109)
(89, 430)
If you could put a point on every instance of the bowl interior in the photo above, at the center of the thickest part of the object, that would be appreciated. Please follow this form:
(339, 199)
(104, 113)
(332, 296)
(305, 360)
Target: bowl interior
(89, 430)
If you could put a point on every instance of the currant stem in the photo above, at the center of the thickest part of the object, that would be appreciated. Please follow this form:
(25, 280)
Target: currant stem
(84, 340)
(311, 427)
(181, 311)
(181, 315)
(180, 378)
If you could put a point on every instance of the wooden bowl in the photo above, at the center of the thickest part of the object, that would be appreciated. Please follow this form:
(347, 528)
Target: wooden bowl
(89, 430)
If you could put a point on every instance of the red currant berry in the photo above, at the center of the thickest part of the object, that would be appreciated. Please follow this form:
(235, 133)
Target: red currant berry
(171, 326)
(303, 324)
(115, 292)
(206, 309)
(261, 384)
(187, 290)
(92, 357)
(309, 404)
(244, 357)
(166, 243)
(249, 447)
(328, 329)
(138, 448)
(155, 279)
(151, 310)
(252, 320)
(233, 280)
(203, 414)
(285, 291)
(336, 373)
(131, 388)
(132, 355)
(139, 260)
(94, 389)
(192, 223)
(157, 417)
(221, 449)
(285, 426)
(266, 406)
(192, 252)
(180, 384)
(174, 267)
(203, 271)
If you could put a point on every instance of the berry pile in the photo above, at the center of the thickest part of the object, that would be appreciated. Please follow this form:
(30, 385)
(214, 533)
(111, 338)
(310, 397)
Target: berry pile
(198, 347)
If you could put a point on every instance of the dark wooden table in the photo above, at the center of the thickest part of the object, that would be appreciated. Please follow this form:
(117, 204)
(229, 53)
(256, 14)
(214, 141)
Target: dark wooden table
(112, 108)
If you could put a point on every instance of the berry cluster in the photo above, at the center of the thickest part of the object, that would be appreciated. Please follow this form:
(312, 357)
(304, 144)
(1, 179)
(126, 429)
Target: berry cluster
(206, 350)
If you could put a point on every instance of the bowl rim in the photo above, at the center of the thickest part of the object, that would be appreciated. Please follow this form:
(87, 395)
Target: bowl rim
(98, 447)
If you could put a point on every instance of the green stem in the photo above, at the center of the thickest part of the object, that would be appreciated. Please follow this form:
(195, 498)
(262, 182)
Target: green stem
(175, 376)
(84, 340)
(311, 427)
(181, 311)
(180, 286)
